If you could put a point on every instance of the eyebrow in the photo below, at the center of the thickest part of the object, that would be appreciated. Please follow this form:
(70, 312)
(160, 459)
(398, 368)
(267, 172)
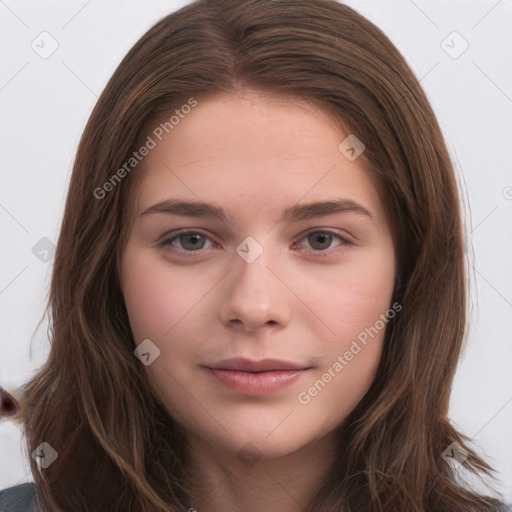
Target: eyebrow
(293, 213)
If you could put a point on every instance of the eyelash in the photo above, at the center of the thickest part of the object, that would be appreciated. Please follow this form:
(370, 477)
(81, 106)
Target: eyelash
(170, 239)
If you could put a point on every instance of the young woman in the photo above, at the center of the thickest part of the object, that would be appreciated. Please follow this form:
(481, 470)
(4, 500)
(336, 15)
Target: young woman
(259, 291)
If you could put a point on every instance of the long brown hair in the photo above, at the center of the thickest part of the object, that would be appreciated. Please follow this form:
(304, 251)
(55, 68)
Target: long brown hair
(118, 448)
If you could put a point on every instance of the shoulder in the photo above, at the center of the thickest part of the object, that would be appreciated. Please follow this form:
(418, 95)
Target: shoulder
(20, 498)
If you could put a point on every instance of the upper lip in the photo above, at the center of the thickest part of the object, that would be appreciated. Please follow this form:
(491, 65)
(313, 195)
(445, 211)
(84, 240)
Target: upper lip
(264, 365)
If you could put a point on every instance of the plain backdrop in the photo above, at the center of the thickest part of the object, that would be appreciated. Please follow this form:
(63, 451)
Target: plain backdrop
(460, 50)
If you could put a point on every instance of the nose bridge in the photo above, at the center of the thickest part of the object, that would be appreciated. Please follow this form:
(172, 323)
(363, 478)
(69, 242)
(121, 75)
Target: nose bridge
(255, 295)
(251, 268)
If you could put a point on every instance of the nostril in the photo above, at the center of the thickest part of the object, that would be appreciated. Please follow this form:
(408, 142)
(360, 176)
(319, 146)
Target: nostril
(8, 405)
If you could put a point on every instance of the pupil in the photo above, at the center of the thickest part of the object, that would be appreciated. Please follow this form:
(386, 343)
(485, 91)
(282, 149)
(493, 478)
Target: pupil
(194, 240)
(323, 238)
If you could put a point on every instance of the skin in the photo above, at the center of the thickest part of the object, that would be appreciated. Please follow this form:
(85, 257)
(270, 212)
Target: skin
(255, 155)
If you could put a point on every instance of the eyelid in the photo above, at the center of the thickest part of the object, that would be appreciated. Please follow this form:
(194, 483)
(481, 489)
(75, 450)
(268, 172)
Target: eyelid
(345, 237)
(170, 237)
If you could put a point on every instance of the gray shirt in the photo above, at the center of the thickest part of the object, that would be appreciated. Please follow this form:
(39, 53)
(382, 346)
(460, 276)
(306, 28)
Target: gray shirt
(21, 498)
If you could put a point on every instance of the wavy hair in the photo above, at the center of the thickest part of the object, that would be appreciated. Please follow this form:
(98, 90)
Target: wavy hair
(118, 448)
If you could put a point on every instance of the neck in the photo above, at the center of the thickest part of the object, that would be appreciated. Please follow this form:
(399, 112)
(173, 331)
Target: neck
(222, 482)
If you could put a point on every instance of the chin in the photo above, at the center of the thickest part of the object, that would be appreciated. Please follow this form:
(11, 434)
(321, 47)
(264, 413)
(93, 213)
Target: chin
(250, 445)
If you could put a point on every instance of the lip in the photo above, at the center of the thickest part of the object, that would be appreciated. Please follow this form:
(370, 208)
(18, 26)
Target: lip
(256, 383)
(256, 378)
(264, 365)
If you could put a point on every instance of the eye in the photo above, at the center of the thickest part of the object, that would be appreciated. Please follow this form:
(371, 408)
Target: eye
(322, 240)
(193, 241)
(190, 241)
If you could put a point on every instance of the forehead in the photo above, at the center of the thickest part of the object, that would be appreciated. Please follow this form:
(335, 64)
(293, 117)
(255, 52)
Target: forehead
(257, 153)
(248, 125)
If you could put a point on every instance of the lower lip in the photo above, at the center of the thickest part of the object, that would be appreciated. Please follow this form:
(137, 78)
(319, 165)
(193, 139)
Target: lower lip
(256, 384)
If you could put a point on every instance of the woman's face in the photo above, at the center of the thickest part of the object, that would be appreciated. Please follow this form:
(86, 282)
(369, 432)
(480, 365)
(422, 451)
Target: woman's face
(257, 238)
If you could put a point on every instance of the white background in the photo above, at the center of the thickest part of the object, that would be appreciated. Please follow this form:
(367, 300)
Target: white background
(44, 105)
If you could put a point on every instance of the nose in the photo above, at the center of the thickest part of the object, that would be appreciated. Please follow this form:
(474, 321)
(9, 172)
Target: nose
(256, 295)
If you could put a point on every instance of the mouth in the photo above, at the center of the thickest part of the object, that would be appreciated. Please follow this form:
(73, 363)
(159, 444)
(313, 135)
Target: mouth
(256, 378)
(264, 365)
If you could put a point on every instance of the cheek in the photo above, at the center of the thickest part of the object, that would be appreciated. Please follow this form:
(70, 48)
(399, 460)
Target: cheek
(355, 298)
(156, 300)
(356, 306)
(161, 307)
